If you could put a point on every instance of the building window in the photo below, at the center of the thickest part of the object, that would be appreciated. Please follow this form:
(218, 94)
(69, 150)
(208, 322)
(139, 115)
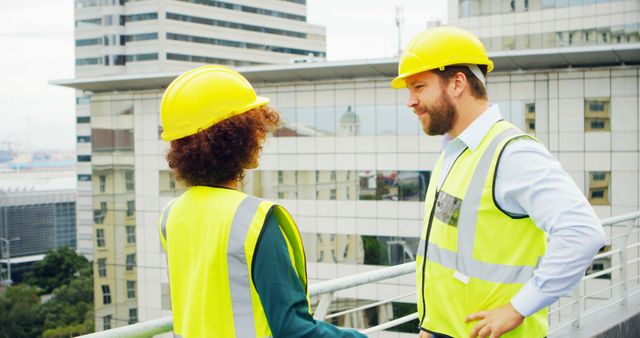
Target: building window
(280, 177)
(133, 316)
(600, 264)
(129, 180)
(131, 234)
(102, 267)
(332, 194)
(131, 289)
(99, 215)
(83, 100)
(83, 139)
(100, 242)
(530, 117)
(596, 115)
(172, 182)
(84, 158)
(103, 183)
(84, 178)
(83, 119)
(106, 322)
(131, 262)
(333, 176)
(131, 208)
(106, 295)
(599, 187)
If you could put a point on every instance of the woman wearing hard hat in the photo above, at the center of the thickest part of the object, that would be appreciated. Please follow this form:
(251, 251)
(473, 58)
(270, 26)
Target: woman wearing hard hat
(236, 262)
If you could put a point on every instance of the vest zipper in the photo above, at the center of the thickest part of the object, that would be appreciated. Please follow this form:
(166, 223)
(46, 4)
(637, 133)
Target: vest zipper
(424, 259)
(426, 241)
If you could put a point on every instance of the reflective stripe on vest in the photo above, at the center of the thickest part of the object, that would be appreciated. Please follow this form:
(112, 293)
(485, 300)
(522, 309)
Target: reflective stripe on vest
(463, 261)
(243, 319)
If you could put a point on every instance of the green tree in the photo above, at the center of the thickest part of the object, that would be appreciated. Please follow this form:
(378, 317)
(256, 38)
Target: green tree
(70, 312)
(58, 268)
(19, 312)
(375, 251)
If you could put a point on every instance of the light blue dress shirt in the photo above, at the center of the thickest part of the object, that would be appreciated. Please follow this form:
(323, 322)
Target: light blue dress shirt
(531, 182)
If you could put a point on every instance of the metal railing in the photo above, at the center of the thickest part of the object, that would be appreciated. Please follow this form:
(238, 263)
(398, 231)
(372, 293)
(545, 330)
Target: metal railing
(624, 250)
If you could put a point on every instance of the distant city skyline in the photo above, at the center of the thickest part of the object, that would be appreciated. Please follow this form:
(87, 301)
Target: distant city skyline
(38, 46)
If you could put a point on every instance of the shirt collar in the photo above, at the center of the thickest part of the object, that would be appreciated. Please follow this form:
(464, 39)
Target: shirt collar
(475, 132)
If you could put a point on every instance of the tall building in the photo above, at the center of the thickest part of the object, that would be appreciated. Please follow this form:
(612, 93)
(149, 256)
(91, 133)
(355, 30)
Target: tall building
(537, 24)
(117, 38)
(37, 214)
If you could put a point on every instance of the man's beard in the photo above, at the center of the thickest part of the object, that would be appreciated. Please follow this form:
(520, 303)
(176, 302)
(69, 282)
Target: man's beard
(442, 115)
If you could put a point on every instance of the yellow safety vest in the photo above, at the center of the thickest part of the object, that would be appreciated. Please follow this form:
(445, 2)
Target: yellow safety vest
(210, 235)
(478, 256)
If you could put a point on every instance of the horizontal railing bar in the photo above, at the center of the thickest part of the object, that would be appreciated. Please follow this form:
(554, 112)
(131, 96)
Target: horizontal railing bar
(362, 278)
(607, 254)
(139, 330)
(610, 288)
(391, 323)
(364, 307)
(563, 306)
(621, 218)
(601, 273)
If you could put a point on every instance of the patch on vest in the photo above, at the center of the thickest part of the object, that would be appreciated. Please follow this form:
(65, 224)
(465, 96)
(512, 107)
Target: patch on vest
(448, 209)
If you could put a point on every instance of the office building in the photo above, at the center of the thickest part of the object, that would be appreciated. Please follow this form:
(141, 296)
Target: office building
(37, 214)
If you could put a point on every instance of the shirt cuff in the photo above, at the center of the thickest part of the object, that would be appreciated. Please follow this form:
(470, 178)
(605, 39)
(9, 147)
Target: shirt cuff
(530, 300)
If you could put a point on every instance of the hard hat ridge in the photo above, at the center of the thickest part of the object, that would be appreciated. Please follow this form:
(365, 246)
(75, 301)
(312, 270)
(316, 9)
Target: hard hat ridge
(437, 48)
(204, 96)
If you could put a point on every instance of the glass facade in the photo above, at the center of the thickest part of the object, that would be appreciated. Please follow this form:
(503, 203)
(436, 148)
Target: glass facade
(250, 9)
(233, 25)
(39, 226)
(240, 44)
(469, 8)
(540, 24)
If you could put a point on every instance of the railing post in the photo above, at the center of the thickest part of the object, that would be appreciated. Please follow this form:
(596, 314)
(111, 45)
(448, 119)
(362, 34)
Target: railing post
(576, 297)
(624, 259)
(323, 306)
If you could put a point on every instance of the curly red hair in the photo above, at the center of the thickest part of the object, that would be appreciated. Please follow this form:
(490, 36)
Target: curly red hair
(220, 154)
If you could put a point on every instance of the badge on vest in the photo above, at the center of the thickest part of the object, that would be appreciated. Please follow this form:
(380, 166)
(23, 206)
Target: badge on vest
(459, 276)
(448, 209)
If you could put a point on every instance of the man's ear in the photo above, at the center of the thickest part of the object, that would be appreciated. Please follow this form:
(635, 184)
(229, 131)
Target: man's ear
(457, 84)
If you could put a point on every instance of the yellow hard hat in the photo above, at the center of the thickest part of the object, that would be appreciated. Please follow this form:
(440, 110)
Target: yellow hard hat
(437, 48)
(202, 97)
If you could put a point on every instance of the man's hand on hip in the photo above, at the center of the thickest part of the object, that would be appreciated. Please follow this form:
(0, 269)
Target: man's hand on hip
(494, 323)
(424, 334)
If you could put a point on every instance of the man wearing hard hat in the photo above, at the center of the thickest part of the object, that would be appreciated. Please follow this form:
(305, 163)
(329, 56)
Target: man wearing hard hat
(507, 231)
(236, 262)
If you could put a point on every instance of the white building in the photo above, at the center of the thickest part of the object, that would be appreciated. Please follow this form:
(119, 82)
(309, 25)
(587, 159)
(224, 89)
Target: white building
(355, 183)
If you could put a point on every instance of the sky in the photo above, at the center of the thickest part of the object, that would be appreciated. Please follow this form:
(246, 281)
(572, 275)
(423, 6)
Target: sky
(37, 46)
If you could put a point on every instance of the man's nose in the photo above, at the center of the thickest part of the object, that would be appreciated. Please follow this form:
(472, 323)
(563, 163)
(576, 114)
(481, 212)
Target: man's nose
(412, 101)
